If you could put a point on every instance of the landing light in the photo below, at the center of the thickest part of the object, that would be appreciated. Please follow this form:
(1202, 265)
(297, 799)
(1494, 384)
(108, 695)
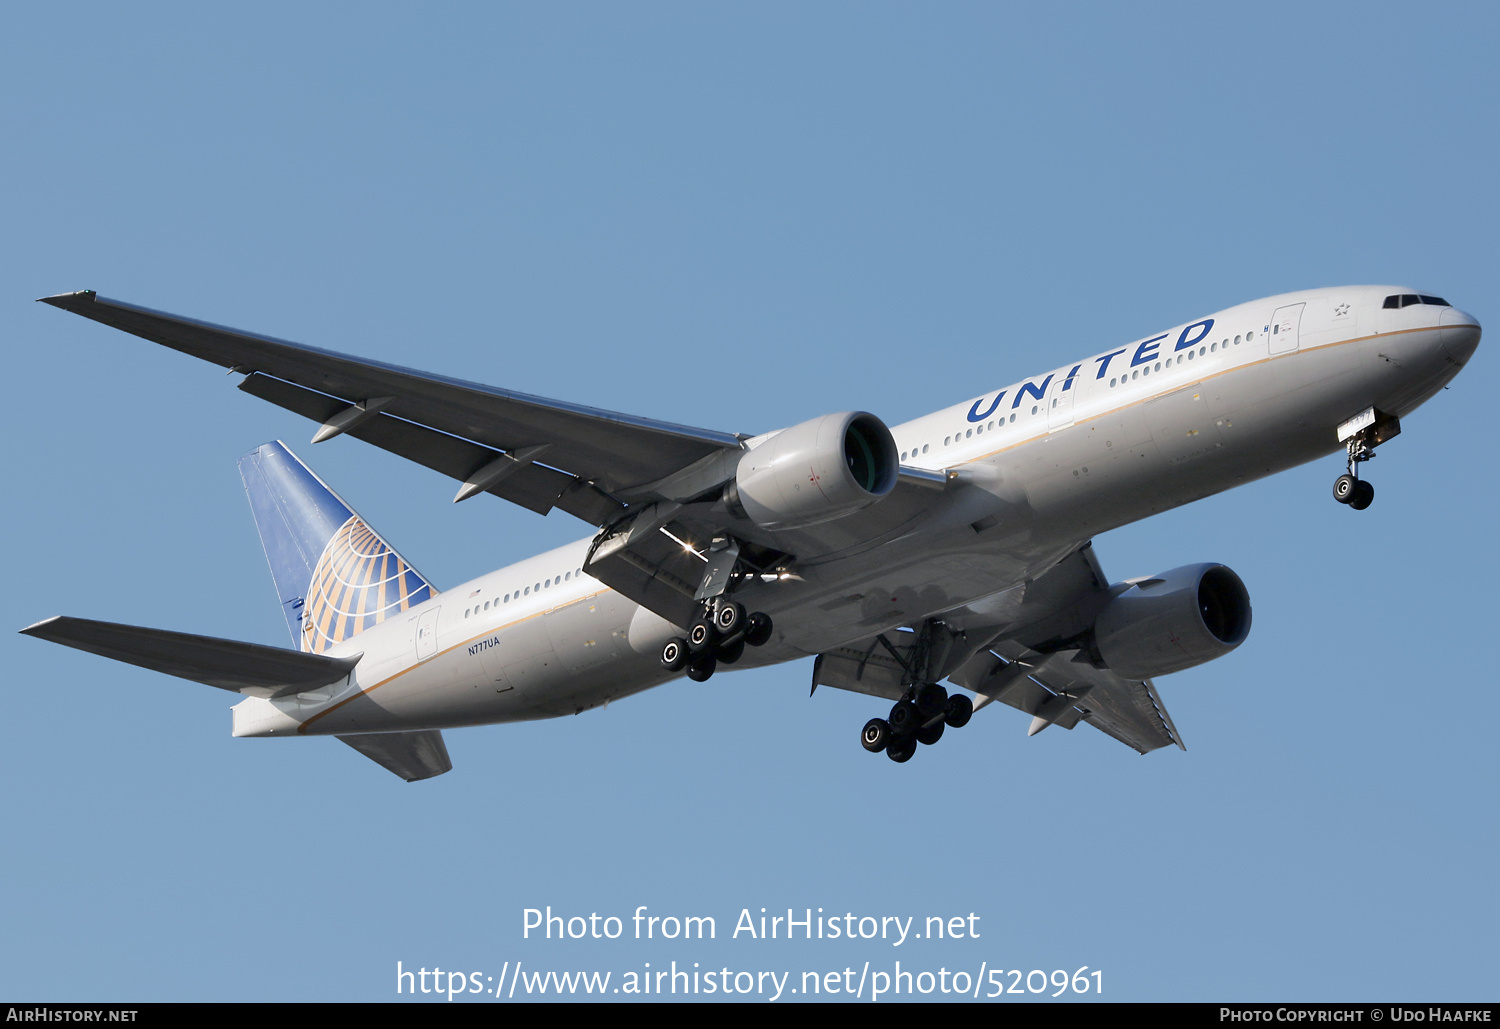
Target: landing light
(687, 547)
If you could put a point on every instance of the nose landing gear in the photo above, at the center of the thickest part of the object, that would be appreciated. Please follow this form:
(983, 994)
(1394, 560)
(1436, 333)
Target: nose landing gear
(1356, 492)
(1361, 435)
(1349, 488)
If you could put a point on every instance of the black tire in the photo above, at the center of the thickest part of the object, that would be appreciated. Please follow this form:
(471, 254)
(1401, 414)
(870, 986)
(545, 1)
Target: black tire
(1364, 495)
(930, 734)
(900, 751)
(729, 653)
(700, 669)
(758, 629)
(701, 637)
(1344, 488)
(674, 655)
(960, 710)
(729, 619)
(904, 718)
(875, 735)
(932, 699)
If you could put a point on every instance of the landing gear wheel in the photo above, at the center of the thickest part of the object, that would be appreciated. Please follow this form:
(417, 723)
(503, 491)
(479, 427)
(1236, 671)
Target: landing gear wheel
(729, 653)
(1364, 495)
(729, 619)
(904, 717)
(702, 636)
(701, 668)
(930, 734)
(932, 699)
(1345, 488)
(900, 751)
(674, 656)
(758, 629)
(875, 735)
(960, 710)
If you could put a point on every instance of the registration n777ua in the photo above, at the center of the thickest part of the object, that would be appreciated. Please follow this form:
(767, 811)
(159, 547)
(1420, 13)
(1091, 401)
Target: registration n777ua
(954, 548)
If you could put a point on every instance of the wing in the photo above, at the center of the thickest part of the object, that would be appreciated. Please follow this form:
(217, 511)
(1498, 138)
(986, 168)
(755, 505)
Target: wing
(1025, 647)
(1039, 662)
(1063, 688)
(532, 451)
(652, 486)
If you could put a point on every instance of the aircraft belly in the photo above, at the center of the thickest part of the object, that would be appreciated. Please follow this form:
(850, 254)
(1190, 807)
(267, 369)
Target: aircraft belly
(1090, 470)
(857, 598)
(519, 657)
(590, 631)
(563, 661)
(1183, 426)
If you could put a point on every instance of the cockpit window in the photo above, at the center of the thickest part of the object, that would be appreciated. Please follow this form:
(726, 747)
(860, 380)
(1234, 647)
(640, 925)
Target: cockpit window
(1407, 299)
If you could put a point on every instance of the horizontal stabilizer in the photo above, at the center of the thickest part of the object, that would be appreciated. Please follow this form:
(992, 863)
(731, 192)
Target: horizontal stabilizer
(411, 755)
(248, 668)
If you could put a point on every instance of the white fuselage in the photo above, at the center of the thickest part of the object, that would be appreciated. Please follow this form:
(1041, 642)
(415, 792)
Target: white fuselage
(1041, 466)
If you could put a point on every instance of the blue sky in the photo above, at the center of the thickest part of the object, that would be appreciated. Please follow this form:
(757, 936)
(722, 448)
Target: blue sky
(737, 217)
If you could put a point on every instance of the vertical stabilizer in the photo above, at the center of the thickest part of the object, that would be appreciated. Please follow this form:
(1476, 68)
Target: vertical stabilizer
(335, 576)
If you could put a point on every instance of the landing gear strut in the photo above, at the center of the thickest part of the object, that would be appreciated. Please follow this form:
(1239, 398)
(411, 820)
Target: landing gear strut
(1349, 488)
(926, 708)
(1361, 435)
(723, 627)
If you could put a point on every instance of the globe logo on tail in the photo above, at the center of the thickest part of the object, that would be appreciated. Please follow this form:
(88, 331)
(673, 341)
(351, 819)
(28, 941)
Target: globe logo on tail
(358, 582)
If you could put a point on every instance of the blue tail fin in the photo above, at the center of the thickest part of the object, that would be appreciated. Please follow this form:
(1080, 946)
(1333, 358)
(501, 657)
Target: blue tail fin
(334, 575)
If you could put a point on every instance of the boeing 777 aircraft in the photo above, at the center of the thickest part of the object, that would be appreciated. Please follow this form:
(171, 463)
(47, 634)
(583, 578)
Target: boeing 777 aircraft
(952, 548)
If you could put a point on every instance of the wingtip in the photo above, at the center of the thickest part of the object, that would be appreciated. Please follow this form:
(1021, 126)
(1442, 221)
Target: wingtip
(34, 628)
(65, 300)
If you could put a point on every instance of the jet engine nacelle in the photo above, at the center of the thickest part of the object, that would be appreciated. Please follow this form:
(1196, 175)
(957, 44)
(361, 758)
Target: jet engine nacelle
(1173, 621)
(815, 472)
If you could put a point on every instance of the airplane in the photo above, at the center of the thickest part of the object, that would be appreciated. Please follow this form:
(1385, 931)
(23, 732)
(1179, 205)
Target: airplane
(952, 548)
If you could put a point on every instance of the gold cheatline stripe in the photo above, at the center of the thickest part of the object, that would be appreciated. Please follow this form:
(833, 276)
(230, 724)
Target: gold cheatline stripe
(1359, 339)
(489, 632)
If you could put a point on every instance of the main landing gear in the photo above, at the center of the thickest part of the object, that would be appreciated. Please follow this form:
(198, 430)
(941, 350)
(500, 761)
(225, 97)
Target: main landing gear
(925, 709)
(723, 628)
(721, 633)
(918, 717)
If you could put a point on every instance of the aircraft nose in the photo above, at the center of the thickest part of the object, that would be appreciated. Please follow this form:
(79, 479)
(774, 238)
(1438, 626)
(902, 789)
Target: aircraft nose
(1459, 333)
